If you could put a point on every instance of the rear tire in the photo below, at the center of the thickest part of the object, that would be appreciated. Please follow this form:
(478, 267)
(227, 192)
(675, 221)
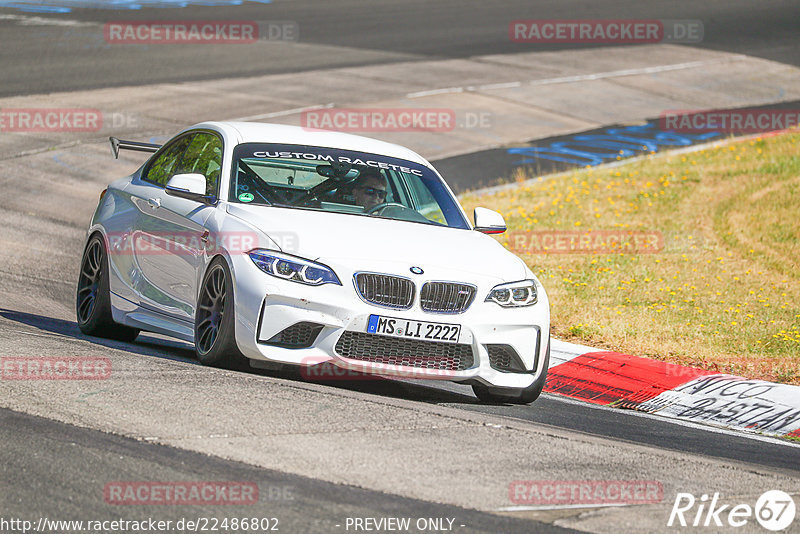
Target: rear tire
(93, 297)
(214, 323)
(527, 395)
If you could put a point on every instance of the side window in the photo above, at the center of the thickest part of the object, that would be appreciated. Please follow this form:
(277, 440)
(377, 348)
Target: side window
(165, 165)
(203, 156)
(425, 202)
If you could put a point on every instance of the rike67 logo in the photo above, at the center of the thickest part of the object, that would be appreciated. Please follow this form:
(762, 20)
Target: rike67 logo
(774, 510)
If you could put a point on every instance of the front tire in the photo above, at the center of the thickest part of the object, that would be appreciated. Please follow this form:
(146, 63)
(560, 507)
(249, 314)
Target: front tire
(93, 297)
(214, 323)
(514, 396)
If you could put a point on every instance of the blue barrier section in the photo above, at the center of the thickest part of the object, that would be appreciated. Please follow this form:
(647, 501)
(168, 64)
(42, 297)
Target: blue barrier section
(608, 145)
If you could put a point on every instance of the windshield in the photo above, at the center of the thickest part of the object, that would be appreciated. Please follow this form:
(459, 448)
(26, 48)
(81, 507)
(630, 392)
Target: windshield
(341, 181)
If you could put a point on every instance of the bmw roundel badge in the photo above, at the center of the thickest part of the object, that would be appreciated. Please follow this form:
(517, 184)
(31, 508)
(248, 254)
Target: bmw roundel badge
(417, 270)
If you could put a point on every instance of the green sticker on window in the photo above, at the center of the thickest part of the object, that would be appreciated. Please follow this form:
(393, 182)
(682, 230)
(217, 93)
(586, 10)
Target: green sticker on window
(246, 197)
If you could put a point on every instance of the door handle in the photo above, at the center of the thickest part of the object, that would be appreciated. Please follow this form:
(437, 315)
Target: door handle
(154, 202)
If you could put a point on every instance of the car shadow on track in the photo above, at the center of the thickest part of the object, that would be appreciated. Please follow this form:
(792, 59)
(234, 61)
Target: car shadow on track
(377, 385)
(145, 344)
(149, 345)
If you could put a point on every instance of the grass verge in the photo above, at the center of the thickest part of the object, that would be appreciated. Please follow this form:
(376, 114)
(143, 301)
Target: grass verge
(692, 259)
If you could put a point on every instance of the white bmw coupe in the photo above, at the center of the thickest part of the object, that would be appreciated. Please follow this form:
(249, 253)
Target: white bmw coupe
(287, 246)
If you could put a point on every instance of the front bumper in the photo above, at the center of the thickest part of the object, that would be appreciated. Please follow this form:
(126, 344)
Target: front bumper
(266, 306)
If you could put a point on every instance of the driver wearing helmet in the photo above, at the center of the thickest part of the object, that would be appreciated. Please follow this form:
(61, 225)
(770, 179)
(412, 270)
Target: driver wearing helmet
(370, 189)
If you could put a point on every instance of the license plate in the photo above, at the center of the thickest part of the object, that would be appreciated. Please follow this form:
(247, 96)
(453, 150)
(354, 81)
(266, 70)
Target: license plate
(405, 328)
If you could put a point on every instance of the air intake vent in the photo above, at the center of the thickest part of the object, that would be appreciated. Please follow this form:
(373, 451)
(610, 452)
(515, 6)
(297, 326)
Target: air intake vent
(297, 336)
(504, 358)
(404, 352)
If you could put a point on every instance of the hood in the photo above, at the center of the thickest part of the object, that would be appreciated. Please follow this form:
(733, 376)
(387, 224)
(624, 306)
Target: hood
(372, 243)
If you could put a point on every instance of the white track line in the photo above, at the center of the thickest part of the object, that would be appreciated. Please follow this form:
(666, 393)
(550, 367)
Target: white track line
(632, 72)
(26, 20)
(577, 77)
(284, 112)
(431, 92)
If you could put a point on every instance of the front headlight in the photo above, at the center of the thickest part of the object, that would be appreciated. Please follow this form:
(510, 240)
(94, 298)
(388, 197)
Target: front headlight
(293, 268)
(514, 294)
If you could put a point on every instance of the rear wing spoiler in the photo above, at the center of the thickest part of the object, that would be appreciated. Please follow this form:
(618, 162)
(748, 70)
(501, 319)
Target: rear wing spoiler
(117, 144)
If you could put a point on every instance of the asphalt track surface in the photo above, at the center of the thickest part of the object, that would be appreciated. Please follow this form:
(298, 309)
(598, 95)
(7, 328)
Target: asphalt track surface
(50, 464)
(39, 58)
(39, 453)
(549, 410)
(59, 482)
